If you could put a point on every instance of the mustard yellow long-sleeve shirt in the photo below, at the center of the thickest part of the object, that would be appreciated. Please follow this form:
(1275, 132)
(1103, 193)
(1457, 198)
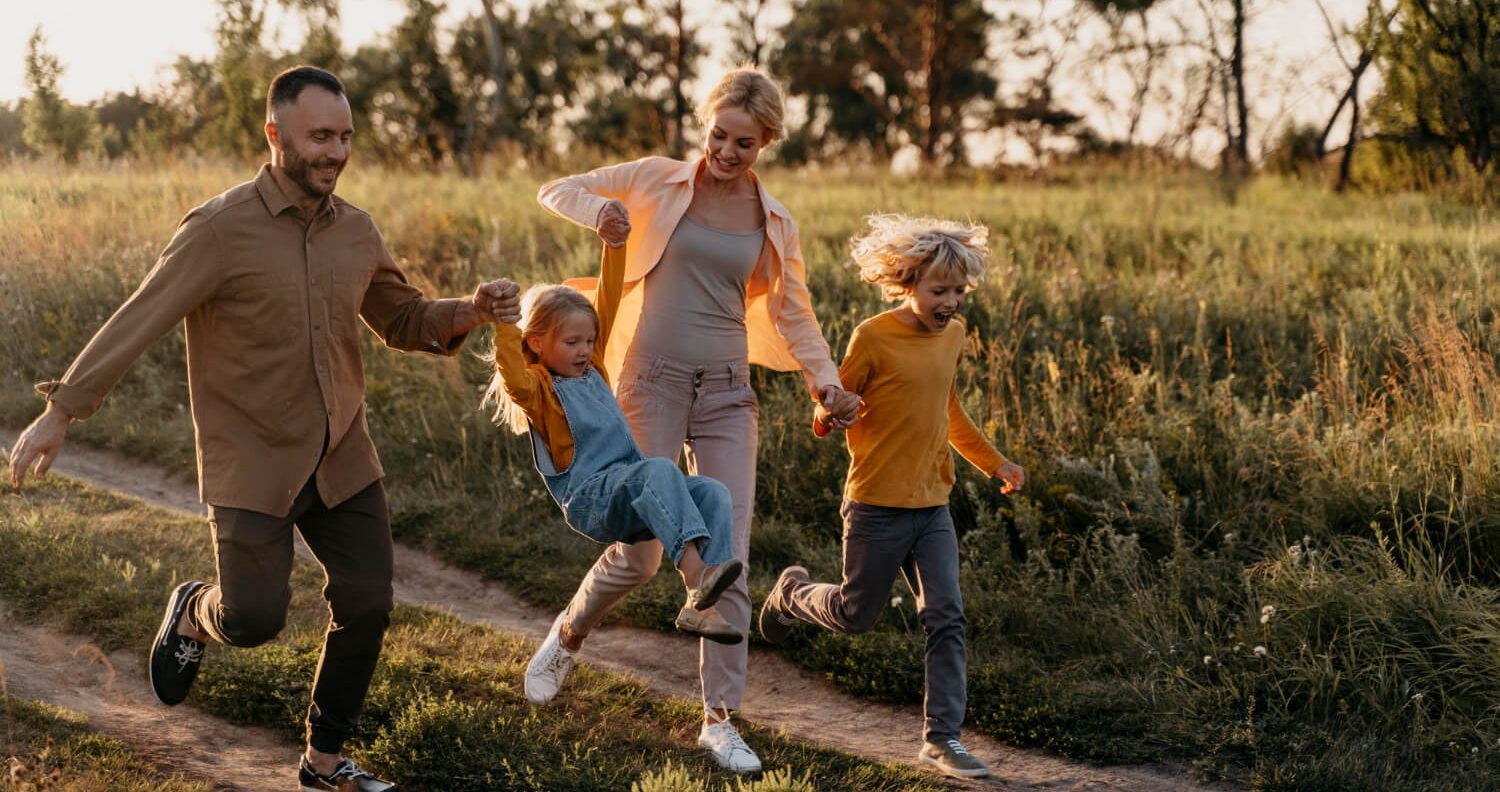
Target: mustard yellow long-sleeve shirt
(911, 414)
(529, 385)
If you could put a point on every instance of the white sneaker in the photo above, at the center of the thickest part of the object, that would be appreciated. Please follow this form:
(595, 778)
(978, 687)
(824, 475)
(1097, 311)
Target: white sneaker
(723, 741)
(549, 666)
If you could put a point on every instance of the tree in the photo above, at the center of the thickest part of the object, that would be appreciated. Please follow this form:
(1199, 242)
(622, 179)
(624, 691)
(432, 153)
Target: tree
(749, 41)
(631, 103)
(1442, 77)
(1365, 38)
(1135, 49)
(425, 84)
(244, 67)
(544, 62)
(52, 124)
(886, 73)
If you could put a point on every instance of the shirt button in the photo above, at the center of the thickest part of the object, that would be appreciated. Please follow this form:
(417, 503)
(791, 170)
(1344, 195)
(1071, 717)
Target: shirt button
(314, 280)
(322, 368)
(317, 326)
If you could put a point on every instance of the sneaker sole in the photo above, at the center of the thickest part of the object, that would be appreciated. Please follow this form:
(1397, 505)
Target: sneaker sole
(728, 574)
(169, 624)
(952, 771)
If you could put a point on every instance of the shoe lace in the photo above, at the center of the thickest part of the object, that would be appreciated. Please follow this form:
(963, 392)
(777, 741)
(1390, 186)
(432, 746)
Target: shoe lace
(559, 660)
(734, 742)
(958, 748)
(188, 651)
(348, 769)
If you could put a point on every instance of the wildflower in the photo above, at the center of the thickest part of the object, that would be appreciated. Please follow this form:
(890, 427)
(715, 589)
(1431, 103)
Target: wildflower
(1229, 537)
(1260, 651)
(1266, 613)
(1208, 659)
(896, 601)
(1295, 553)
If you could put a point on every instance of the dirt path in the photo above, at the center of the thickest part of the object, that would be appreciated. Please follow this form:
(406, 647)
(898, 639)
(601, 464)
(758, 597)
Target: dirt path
(779, 695)
(67, 671)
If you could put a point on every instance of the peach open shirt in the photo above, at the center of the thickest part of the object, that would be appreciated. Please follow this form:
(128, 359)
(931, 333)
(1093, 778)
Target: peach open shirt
(782, 332)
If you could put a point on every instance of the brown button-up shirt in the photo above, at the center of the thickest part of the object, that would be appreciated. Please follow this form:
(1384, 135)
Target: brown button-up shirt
(272, 301)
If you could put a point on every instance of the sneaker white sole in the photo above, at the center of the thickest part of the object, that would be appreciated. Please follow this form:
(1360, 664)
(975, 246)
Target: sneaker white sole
(952, 771)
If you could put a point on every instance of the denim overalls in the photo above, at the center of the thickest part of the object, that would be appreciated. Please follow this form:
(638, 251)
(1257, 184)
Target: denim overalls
(610, 493)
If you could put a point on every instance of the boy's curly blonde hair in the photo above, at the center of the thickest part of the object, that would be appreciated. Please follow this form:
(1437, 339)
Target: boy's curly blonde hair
(898, 250)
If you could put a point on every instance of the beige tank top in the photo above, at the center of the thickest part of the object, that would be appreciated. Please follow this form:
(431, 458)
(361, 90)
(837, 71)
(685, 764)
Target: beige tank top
(694, 304)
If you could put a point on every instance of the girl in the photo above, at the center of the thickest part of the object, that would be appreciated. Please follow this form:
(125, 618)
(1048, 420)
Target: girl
(549, 383)
(903, 363)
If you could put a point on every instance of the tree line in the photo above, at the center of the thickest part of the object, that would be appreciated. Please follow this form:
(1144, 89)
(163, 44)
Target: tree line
(1174, 79)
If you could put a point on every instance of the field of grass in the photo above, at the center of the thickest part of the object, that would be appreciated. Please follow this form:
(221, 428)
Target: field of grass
(1260, 529)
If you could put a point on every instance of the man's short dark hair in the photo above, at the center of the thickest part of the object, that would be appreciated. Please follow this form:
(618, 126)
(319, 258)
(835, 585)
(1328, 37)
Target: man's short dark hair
(288, 85)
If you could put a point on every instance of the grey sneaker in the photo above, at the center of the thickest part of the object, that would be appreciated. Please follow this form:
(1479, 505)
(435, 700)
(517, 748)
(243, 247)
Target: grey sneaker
(708, 623)
(775, 622)
(950, 757)
(716, 580)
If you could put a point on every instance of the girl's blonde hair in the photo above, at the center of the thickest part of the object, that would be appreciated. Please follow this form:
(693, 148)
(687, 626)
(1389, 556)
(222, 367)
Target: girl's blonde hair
(751, 89)
(543, 307)
(898, 250)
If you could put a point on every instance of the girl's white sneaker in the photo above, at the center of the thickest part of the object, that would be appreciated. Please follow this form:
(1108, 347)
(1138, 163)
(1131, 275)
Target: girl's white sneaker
(549, 666)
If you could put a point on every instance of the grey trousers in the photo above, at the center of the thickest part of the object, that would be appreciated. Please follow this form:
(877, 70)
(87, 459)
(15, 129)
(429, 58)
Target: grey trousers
(920, 544)
(247, 607)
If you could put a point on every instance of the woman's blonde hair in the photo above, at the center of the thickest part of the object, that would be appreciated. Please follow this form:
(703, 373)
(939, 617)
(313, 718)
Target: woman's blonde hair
(751, 89)
(543, 307)
(898, 250)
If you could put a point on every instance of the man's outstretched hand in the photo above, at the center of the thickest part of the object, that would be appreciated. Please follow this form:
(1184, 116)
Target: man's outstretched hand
(39, 445)
(498, 301)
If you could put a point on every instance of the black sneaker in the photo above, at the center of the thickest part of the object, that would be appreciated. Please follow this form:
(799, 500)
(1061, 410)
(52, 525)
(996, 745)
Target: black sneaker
(346, 777)
(175, 658)
(775, 622)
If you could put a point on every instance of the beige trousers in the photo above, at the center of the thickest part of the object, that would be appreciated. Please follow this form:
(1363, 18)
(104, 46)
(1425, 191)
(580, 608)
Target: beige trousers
(711, 413)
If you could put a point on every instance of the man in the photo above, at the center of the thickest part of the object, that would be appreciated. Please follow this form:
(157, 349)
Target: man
(273, 277)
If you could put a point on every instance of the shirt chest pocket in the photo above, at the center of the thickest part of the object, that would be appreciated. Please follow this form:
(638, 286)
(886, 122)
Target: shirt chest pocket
(265, 309)
(347, 294)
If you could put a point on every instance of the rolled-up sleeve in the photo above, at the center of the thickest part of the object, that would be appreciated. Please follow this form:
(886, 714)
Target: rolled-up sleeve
(581, 197)
(402, 316)
(186, 275)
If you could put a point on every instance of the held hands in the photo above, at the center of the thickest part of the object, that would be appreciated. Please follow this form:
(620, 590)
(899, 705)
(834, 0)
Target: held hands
(1012, 478)
(39, 445)
(498, 301)
(837, 408)
(613, 224)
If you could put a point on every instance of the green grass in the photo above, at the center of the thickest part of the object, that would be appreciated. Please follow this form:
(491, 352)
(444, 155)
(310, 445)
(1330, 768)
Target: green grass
(446, 709)
(48, 748)
(1193, 383)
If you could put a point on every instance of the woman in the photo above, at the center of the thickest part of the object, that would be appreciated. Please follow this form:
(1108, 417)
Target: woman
(714, 281)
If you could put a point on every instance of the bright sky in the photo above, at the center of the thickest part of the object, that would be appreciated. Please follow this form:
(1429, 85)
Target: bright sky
(116, 45)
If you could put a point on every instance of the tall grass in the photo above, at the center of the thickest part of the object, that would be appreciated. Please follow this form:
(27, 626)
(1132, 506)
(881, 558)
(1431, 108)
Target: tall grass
(1283, 400)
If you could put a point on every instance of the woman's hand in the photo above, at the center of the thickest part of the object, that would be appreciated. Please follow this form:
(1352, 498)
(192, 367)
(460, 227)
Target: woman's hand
(842, 406)
(613, 224)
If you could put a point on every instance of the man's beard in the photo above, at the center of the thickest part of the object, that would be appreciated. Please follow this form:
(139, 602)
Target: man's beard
(299, 170)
